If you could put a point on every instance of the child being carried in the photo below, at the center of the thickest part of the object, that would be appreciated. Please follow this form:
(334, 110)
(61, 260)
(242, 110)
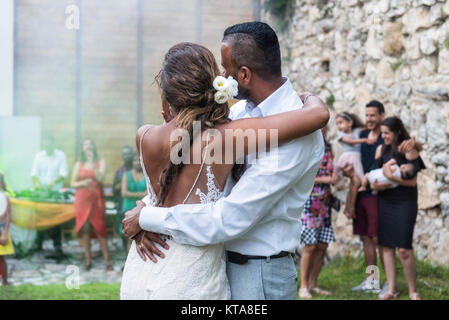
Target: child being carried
(406, 171)
(349, 126)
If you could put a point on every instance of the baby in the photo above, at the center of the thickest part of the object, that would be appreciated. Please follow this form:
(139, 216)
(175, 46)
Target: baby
(406, 171)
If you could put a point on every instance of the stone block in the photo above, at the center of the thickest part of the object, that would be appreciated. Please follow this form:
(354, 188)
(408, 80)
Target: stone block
(428, 195)
(415, 19)
(417, 3)
(428, 45)
(393, 39)
(444, 198)
(411, 45)
(436, 14)
(384, 73)
(362, 95)
(372, 45)
(443, 61)
(438, 253)
(424, 67)
(446, 8)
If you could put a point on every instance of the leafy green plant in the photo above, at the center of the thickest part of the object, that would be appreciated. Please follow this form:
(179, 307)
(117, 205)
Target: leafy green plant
(278, 10)
(330, 101)
(446, 41)
(395, 65)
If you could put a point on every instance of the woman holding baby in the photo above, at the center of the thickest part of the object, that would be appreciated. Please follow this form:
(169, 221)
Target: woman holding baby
(398, 206)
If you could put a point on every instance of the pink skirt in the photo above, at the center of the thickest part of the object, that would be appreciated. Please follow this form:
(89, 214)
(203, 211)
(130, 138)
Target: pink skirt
(351, 158)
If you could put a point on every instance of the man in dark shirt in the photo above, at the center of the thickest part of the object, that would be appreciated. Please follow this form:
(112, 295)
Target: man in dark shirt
(365, 221)
(127, 156)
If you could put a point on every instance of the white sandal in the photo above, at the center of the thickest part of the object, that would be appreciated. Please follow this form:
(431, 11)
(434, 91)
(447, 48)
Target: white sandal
(415, 296)
(388, 295)
(304, 293)
(321, 291)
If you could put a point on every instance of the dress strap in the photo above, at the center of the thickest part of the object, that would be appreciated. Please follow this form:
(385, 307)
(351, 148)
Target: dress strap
(199, 172)
(142, 164)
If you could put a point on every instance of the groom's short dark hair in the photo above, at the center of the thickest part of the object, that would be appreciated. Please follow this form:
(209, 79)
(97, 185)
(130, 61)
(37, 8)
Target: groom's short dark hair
(256, 46)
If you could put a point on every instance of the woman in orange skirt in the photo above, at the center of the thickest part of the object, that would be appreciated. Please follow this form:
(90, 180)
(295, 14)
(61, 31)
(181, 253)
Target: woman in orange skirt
(90, 210)
(6, 247)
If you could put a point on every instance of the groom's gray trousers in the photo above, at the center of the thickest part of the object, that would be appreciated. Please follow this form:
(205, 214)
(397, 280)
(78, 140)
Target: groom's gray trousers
(263, 279)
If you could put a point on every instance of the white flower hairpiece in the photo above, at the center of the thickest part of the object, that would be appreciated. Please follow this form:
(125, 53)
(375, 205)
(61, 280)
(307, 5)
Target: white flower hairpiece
(226, 89)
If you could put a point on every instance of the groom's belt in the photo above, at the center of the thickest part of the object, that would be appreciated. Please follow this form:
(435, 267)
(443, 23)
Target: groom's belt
(238, 258)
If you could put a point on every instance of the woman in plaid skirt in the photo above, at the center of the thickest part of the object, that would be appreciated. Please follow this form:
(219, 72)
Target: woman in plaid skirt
(317, 230)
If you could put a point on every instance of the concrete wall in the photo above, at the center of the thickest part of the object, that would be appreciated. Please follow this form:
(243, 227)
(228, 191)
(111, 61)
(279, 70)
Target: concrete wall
(98, 81)
(6, 57)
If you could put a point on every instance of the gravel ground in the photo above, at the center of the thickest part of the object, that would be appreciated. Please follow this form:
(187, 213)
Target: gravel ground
(39, 270)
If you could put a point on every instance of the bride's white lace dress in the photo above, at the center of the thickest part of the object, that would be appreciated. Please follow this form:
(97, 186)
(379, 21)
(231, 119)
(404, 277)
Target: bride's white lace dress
(187, 272)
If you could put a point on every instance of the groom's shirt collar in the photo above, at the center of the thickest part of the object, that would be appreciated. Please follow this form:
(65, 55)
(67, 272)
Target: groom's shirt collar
(272, 104)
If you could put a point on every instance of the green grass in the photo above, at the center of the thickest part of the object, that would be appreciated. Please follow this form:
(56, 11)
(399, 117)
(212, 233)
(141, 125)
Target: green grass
(339, 276)
(91, 291)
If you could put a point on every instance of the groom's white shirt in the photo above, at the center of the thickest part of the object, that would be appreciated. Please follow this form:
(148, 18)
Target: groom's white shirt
(261, 214)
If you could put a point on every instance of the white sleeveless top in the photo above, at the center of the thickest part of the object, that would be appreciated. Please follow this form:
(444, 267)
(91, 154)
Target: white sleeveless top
(3, 203)
(187, 272)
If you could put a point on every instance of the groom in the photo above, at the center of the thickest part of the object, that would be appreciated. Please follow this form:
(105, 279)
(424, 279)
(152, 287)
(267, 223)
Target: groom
(259, 220)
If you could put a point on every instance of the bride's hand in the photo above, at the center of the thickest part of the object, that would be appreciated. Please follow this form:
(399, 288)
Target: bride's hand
(130, 225)
(146, 245)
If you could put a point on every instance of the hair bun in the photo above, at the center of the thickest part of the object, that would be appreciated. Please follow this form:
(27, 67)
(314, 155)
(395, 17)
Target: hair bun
(209, 96)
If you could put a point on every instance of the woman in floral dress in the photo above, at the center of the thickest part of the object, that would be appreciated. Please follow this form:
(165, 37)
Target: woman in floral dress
(317, 230)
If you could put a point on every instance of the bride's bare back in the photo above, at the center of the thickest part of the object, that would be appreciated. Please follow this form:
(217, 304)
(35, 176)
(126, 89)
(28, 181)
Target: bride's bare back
(156, 147)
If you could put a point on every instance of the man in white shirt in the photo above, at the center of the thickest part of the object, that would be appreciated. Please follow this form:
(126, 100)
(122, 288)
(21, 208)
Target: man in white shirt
(49, 167)
(259, 219)
(48, 173)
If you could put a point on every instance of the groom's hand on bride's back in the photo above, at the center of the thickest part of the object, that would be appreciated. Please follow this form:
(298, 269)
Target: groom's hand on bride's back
(146, 245)
(145, 240)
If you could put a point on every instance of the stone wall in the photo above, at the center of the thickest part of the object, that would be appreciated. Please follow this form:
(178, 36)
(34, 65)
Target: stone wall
(395, 51)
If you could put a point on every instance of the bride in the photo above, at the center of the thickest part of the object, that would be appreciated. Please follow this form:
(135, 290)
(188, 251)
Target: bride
(189, 93)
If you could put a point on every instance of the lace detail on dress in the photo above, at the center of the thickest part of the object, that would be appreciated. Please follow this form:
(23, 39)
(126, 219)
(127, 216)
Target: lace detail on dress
(187, 272)
(213, 192)
(152, 199)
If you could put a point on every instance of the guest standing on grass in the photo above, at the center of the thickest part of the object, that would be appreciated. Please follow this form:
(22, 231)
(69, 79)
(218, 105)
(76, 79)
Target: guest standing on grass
(90, 210)
(6, 247)
(398, 207)
(349, 126)
(127, 157)
(134, 188)
(365, 220)
(317, 230)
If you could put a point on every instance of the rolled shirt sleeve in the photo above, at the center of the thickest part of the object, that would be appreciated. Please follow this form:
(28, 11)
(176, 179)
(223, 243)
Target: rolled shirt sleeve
(252, 198)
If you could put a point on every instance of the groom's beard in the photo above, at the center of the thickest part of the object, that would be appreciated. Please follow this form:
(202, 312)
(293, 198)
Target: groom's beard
(243, 94)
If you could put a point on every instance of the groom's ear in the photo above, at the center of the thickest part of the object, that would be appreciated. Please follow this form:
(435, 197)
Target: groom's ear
(244, 76)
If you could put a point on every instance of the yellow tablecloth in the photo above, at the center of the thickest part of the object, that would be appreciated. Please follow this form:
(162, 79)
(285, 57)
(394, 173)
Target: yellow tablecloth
(8, 248)
(28, 214)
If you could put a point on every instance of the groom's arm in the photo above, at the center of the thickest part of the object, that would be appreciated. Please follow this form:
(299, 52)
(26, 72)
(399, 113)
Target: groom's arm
(258, 190)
